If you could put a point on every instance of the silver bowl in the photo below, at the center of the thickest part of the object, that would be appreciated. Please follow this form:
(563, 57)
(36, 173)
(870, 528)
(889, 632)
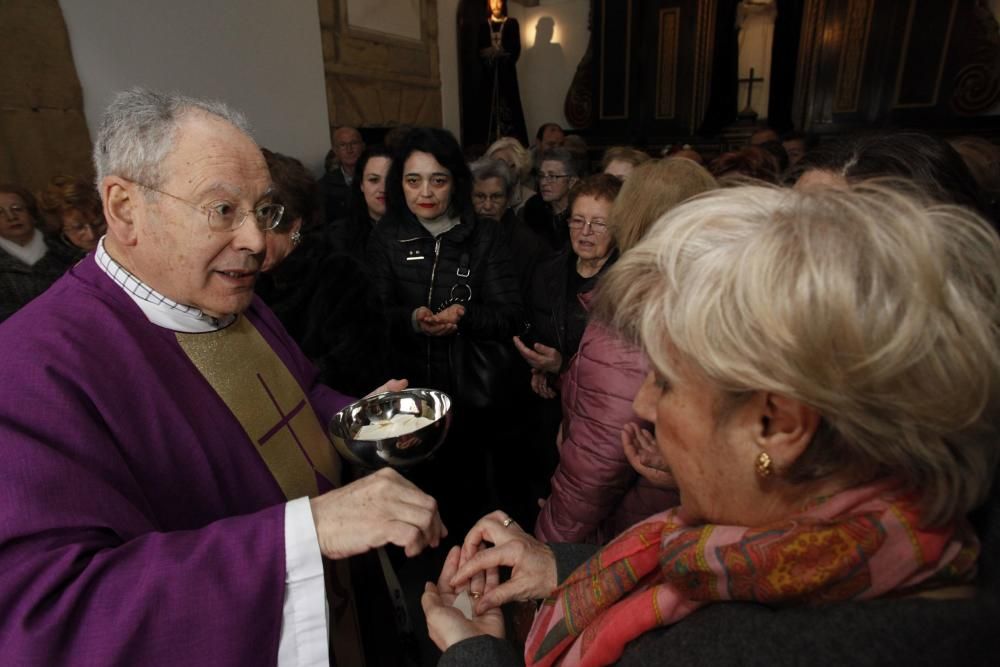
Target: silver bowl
(399, 451)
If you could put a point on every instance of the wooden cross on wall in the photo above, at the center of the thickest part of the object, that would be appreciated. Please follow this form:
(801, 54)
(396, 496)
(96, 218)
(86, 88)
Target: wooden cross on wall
(748, 111)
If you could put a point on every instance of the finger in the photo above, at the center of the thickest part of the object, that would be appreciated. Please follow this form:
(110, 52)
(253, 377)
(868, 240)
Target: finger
(448, 570)
(477, 583)
(488, 600)
(509, 591)
(544, 349)
(501, 556)
(404, 535)
(430, 599)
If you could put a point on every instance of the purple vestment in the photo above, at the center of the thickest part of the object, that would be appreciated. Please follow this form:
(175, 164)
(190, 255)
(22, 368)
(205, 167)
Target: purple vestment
(138, 525)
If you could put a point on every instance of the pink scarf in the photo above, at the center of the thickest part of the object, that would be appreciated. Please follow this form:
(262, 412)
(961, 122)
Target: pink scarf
(859, 544)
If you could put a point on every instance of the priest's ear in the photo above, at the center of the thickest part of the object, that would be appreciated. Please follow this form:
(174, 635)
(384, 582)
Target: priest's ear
(121, 199)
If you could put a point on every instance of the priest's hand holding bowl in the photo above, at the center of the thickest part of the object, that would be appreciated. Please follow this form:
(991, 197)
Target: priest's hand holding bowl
(378, 509)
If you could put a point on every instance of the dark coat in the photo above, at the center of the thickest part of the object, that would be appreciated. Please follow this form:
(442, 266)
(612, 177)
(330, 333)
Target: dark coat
(526, 248)
(552, 227)
(20, 283)
(336, 195)
(410, 268)
(556, 320)
(326, 301)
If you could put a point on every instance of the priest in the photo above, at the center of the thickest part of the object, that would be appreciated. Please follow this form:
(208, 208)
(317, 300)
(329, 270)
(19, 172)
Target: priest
(169, 495)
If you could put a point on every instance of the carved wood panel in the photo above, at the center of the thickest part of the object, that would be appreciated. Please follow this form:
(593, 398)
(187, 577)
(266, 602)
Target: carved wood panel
(653, 61)
(932, 64)
(376, 79)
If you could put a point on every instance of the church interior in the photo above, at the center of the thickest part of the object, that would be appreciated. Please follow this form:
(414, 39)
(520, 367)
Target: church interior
(648, 73)
(704, 295)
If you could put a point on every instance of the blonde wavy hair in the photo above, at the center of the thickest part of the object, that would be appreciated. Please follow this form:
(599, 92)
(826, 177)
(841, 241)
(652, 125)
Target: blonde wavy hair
(654, 188)
(522, 158)
(872, 306)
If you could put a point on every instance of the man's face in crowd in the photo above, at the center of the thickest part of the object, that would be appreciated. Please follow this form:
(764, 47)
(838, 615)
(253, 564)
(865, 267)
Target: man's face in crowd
(554, 182)
(347, 146)
(212, 165)
(489, 198)
(552, 137)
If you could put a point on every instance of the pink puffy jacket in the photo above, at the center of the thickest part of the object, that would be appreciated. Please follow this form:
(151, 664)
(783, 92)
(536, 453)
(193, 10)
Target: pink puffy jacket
(595, 492)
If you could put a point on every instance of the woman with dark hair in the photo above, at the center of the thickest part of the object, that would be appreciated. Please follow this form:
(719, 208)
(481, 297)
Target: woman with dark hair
(322, 296)
(449, 291)
(29, 261)
(368, 202)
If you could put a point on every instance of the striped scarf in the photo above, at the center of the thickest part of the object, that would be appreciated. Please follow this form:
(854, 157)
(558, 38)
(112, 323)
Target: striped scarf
(859, 544)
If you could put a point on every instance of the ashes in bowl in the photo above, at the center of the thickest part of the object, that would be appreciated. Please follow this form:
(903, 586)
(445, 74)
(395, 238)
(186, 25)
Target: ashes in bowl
(396, 428)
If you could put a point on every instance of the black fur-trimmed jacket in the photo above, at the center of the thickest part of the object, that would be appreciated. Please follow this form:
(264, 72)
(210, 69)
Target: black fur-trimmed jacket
(411, 268)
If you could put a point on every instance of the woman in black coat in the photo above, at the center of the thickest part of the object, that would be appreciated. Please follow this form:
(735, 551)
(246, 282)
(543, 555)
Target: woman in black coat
(448, 288)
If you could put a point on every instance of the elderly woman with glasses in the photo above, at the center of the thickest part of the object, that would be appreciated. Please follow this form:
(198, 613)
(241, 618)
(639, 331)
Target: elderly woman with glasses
(595, 492)
(29, 260)
(557, 316)
(825, 387)
(548, 212)
(75, 207)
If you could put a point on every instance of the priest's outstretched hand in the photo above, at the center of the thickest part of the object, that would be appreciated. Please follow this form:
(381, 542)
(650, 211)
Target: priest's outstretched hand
(379, 509)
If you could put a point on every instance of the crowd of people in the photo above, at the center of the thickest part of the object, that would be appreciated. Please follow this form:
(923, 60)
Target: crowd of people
(732, 403)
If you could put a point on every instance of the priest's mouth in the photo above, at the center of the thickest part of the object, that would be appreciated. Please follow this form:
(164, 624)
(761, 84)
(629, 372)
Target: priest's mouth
(239, 278)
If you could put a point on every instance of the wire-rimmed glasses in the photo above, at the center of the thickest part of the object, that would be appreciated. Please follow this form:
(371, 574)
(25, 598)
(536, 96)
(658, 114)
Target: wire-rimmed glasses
(223, 216)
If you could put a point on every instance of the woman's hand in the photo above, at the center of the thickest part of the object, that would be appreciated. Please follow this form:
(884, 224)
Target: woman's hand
(446, 625)
(542, 357)
(540, 384)
(444, 323)
(645, 457)
(533, 564)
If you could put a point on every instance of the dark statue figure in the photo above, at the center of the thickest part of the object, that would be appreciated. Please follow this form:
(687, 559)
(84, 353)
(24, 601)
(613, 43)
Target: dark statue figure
(499, 49)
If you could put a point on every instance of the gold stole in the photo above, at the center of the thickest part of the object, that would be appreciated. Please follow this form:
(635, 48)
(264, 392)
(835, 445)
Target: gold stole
(276, 415)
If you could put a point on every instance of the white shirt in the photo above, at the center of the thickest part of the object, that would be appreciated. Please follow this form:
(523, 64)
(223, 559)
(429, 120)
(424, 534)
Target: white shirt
(303, 639)
(29, 253)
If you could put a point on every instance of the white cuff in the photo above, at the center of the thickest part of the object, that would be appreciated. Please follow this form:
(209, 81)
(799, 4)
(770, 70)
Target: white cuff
(303, 638)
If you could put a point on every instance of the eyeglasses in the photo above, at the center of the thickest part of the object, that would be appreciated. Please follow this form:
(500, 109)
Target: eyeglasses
(98, 226)
(12, 211)
(495, 198)
(223, 216)
(597, 226)
(348, 144)
(545, 176)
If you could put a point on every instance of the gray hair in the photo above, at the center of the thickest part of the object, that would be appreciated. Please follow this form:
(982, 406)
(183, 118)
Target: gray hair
(563, 156)
(875, 308)
(485, 168)
(138, 128)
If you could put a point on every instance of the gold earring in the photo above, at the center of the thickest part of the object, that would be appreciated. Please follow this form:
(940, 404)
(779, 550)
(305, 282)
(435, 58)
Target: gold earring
(763, 465)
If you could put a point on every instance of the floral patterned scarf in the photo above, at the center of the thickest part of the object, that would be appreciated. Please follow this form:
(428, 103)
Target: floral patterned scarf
(859, 544)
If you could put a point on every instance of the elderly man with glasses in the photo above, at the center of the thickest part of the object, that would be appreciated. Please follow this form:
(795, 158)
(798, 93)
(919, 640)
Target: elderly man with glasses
(169, 490)
(340, 165)
(548, 212)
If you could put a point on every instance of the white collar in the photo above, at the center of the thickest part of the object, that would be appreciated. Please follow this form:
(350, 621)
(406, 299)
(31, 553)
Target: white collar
(348, 178)
(158, 309)
(29, 253)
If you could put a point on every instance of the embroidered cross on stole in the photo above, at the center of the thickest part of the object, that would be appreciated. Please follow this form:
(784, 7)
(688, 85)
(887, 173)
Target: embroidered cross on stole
(268, 402)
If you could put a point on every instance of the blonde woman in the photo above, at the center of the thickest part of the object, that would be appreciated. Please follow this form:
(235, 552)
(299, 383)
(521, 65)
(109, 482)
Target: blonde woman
(825, 390)
(517, 157)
